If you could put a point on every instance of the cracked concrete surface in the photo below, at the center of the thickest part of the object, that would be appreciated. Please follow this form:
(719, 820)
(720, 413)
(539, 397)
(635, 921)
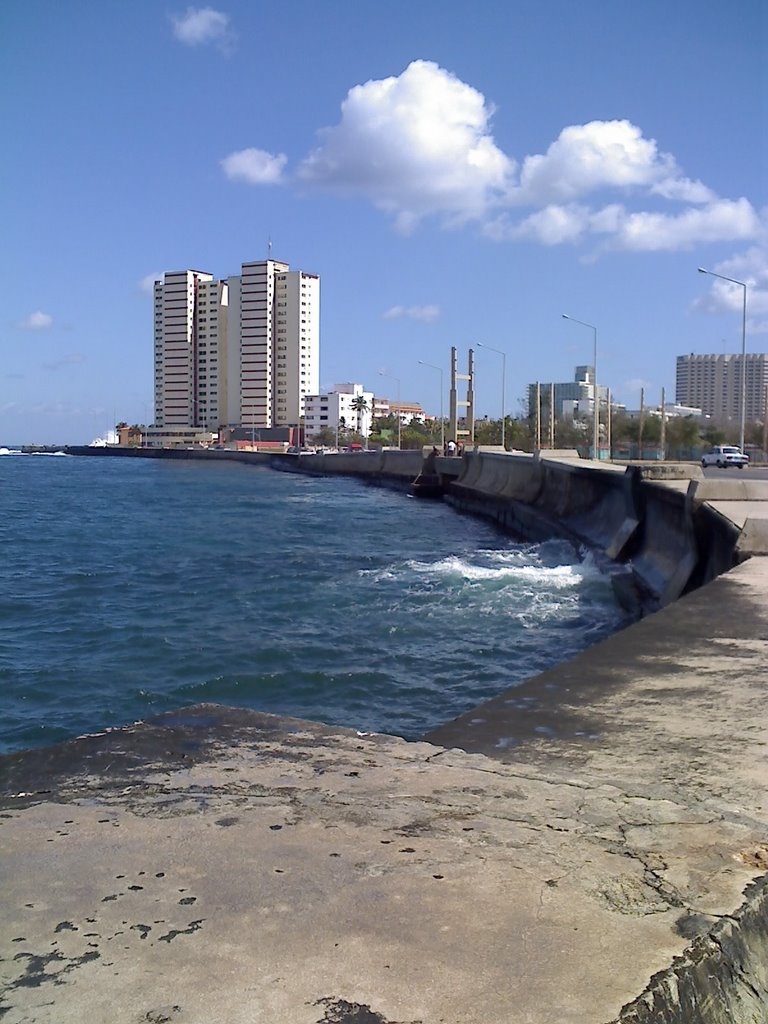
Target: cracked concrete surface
(588, 848)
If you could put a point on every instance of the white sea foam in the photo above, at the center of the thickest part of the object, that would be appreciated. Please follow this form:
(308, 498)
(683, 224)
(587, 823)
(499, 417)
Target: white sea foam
(454, 566)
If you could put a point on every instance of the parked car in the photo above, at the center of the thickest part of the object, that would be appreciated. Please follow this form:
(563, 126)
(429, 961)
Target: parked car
(724, 455)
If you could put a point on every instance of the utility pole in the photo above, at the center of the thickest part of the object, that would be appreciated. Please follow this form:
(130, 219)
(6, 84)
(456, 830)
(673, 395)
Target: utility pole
(609, 428)
(663, 427)
(551, 415)
(642, 423)
(538, 416)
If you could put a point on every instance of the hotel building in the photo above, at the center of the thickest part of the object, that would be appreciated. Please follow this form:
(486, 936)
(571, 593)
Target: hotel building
(244, 351)
(713, 384)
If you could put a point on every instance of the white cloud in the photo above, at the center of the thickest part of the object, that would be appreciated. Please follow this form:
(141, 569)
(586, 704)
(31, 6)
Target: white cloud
(722, 220)
(427, 314)
(751, 267)
(684, 190)
(255, 166)
(420, 144)
(553, 225)
(36, 321)
(588, 157)
(199, 25)
(147, 283)
(414, 145)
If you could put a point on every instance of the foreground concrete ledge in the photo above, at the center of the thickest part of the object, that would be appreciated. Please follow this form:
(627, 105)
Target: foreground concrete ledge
(719, 489)
(753, 539)
(588, 848)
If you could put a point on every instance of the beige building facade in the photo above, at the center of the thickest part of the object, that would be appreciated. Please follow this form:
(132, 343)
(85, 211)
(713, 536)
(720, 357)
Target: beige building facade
(241, 351)
(712, 383)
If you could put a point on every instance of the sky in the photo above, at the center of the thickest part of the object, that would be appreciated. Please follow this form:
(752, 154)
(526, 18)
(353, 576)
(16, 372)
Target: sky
(457, 174)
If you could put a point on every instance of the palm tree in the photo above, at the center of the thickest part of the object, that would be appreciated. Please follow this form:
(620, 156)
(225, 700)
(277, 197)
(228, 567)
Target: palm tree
(360, 405)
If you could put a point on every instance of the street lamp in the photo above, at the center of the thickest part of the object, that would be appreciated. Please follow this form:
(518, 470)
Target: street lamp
(596, 421)
(503, 382)
(442, 419)
(742, 284)
(399, 421)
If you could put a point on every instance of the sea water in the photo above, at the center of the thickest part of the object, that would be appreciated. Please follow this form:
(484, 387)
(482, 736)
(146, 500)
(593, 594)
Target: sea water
(129, 587)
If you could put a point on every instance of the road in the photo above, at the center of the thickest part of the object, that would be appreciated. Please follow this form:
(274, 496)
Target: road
(748, 473)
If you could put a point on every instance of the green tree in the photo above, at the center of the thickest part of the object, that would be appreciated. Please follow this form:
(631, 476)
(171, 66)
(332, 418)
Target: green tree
(360, 405)
(518, 434)
(570, 433)
(651, 430)
(383, 429)
(713, 434)
(325, 436)
(415, 435)
(753, 434)
(682, 432)
(488, 431)
(622, 428)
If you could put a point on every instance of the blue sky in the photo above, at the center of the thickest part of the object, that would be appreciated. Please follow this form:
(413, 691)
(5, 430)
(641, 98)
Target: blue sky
(456, 173)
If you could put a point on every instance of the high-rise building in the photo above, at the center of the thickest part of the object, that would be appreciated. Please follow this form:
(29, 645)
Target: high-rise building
(571, 397)
(182, 347)
(713, 384)
(242, 351)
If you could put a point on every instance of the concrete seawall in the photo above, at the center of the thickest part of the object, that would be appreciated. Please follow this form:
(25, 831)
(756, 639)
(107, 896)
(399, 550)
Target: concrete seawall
(590, 847)
(671, 530)
(646, 525)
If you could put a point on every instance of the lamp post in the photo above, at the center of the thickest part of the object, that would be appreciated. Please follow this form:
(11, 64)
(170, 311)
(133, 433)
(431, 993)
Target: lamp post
(596, 420)
(399, 421)
(743, 410)
(442, 418)
(503, 383)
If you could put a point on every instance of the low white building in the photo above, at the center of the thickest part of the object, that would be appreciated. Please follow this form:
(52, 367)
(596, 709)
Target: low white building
(338, 409)
(408, 412)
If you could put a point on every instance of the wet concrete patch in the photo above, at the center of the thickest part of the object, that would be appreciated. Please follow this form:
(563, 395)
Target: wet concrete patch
(108, 762)
(341, 1011)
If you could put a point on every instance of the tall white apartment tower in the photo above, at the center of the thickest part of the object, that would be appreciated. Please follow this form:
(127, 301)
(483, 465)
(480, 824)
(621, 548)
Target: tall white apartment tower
(244, 351)
(190, 317)
(256, 342)
(211, 352)
(273, 344)
(297, 344)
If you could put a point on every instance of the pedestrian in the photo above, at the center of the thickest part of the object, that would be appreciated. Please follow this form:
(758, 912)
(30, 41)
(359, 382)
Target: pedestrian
(451, 447)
